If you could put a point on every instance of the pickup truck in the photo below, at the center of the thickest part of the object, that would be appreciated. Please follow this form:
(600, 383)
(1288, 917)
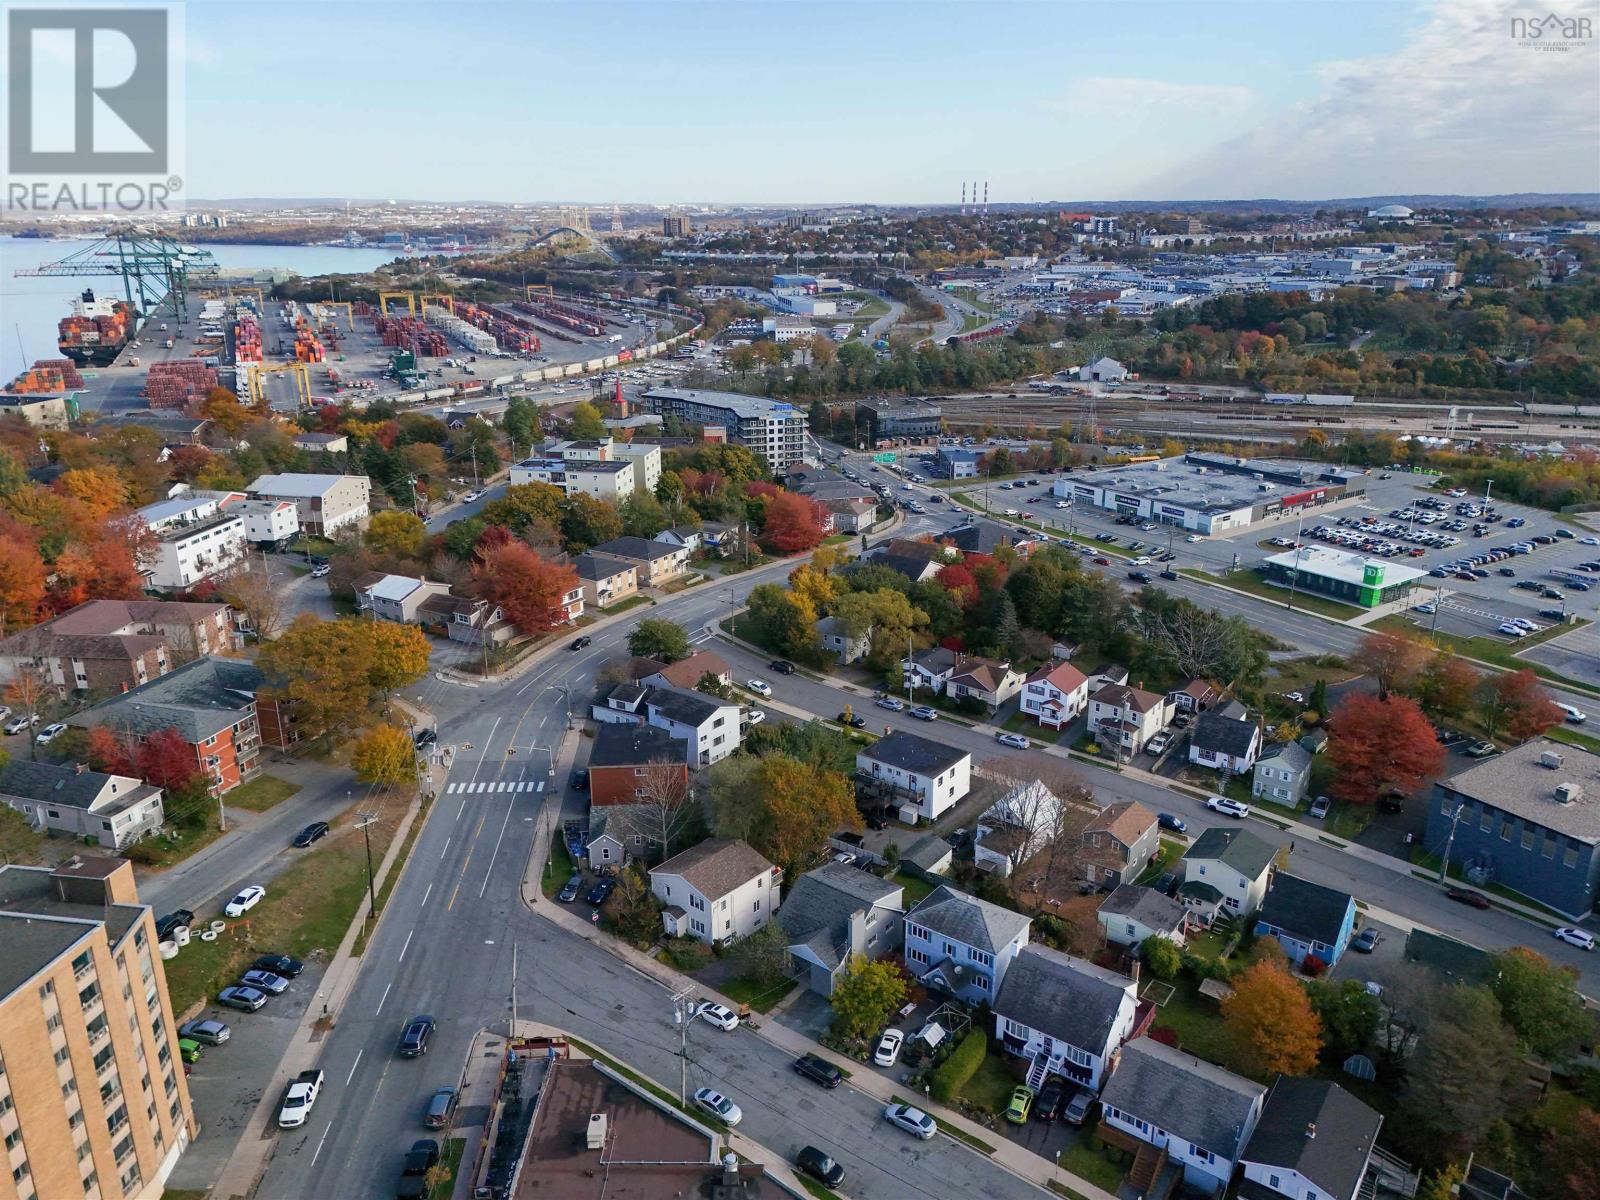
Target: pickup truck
(298, 1098)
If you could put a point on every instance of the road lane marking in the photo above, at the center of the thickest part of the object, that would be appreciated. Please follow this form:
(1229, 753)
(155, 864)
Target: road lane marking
(320, 1140)
(383, 997)
(446, 849)
(407, 946)
(453, 789)
(353, 1067)
(482, 758)
(426, 894)
(490, 869)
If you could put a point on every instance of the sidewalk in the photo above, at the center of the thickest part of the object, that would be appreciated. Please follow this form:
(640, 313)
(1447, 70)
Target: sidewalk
(254, 1148)
(1020, 1162)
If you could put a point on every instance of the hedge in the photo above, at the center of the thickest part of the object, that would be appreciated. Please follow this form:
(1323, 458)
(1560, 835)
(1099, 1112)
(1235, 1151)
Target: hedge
(952, 1074)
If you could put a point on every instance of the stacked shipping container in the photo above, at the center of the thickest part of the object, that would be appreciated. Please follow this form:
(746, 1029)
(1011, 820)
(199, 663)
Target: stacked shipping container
(47, 376)
(179, 383)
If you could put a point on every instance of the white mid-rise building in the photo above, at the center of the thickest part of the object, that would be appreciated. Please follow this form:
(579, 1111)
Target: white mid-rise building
(195, 539)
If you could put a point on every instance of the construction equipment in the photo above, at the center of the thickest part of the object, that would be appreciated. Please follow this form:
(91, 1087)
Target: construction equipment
(349, 310)
(151, 264)
(409, 297)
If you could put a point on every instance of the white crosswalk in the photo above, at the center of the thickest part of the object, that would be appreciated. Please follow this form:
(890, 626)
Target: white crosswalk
(521, 785)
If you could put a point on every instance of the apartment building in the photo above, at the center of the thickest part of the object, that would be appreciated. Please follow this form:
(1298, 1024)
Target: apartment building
(267, 522)
(195, 539)
(93, 1101)
(772, 429)
(114, 645)
(605, 581)
(602, 467)
(325, 503)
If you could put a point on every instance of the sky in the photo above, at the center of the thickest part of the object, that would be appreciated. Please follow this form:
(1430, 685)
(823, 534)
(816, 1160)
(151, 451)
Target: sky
(883, 101)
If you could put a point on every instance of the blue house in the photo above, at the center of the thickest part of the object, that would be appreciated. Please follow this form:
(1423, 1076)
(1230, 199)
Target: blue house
(1307, 918)
(961, 945)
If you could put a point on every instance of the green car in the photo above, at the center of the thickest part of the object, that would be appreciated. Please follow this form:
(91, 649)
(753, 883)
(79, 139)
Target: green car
(1021, 1104)
(189, 1050)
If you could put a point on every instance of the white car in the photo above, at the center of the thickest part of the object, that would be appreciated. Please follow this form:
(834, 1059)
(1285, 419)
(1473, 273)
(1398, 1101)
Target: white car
(18, 724)
(754, 716)
(1062, 504)
(1591, 540)
(888, 1051)
(1227, 807)
(321, 572)
(1427, 607)
(1011, 512)
(244, 901)
(759, 686)
(1015, 740)
(913, 1120)
(718, 1106)
(1193, 537)
(1144, 560)
(892, 703)
(50, 733)
(1580, 938)
(1573, 716)
(1512, 631)
(719, 1015)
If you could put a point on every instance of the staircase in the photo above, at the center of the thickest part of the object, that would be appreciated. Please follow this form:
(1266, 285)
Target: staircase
(1040, 1071)
(1147, 1164)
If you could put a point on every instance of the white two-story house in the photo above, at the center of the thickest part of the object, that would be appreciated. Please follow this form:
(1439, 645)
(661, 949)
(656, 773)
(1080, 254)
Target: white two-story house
(1055, 694)
(1200, 1114)
(1226, 871)
(924, 777)
(716, 892)
(709, 727)
(1125, 718)
(929, 670)
(1065, 1015)
(962, 945)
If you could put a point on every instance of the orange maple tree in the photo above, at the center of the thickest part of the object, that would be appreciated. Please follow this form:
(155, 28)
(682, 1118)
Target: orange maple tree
(1271, 1021)
(794, 523)
(1381, 744)
(529, 589)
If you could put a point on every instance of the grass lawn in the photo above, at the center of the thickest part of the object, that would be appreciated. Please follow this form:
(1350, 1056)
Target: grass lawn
(1561, 733)
(1198, 1024)
(161, 851)
(1209, 944)
(261, 793)
(1301, 674)
(1488, 649)
(915, 888)
(559, 869)
(306, 911)
(990, 1087)
(814, 1188)
(447, 1168)
(622, 606)
(1246, 580)
(184, 1194)
(1168, 852)
(1088, 1163)
(393, 877)
(1348, 821)
(759, 996)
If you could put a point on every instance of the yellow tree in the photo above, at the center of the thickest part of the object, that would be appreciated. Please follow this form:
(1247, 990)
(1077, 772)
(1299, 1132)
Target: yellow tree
(384, 756)
(396, 532)
(101, 490)
(1271, 1021)
(399, 653)
(800, 806)
(814, 587)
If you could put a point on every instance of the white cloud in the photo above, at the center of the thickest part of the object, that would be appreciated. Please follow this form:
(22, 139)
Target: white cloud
(1459, 107)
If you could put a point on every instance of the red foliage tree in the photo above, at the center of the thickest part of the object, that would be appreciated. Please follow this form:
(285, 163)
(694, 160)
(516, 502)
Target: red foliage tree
(528, 588)
(793, 524)
(1378, 744)
(166, 761)
(955, 577)
(760, 487)
(187, 462)
(106, 753)
(1525, 708)
(22, 582)
(491, 539)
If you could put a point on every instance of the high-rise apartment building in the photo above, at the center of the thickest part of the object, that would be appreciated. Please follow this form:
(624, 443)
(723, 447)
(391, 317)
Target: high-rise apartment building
(93, 1101)
(776, 431)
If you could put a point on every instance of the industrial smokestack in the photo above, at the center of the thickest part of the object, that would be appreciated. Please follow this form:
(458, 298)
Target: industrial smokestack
(986, 197)
(963, 197)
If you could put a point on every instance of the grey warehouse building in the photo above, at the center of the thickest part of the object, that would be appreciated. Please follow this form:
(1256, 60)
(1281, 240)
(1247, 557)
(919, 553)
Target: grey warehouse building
(1210, 493)
(912, 420)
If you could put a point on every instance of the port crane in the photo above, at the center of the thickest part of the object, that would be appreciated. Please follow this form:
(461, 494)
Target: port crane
(151, 264)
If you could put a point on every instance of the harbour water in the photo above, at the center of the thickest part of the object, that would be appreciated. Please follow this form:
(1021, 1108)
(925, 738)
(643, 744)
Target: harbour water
(30, 307)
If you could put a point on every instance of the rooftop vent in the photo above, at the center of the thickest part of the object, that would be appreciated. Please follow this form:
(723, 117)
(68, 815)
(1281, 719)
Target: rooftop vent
(595, 1135)
(1568, 793)
(1551, 760)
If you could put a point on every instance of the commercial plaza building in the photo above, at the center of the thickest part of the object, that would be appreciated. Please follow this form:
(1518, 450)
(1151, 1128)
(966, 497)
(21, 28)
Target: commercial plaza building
(1353, 578)
(1210, 493)
(774, 430)
(93, 1101)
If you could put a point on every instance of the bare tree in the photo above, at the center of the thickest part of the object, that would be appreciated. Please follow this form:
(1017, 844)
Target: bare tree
(663, 805)
(1197, 642)
(1023, 817)
(1052, 807)
(30, 692)
(252, 592)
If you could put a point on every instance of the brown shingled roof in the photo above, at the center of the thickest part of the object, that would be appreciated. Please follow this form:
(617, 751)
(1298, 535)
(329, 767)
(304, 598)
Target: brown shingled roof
(716, 867)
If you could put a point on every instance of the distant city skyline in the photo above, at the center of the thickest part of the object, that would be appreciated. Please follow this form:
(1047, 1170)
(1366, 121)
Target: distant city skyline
(888, 103)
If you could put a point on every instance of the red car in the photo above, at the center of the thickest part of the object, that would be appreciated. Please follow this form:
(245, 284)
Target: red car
(1467, 896)
(1102, 561)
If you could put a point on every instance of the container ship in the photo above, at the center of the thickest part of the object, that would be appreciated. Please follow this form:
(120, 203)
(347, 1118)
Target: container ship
(97, 330)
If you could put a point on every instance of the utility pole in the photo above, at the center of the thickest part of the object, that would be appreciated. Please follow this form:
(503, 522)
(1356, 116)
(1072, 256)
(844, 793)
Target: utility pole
(683, 1013)
(366, 821)
(513, 989)
(911, 682)
(1299, 549)
(475, 484)
(1444, 863)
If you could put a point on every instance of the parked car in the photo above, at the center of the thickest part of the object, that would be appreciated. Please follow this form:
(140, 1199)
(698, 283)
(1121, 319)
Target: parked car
(321, 572)
(1468, 897)
(719, 1015)
(18, 724)
(1227, 807)
(279, 964)
(819, 1166)
(1015, 740)
(600, 891)
(1020, 1106)
(888, 1051)
(246, 999)
(416, 1035)
(1050, 1098)
(782, 666)
(580, 780)
(754, 716)
(1581, 938)
(265, 981)
(1173, 822)
(819, 1070)
(167, 924)
(718, 1105)
(1367, 940)
(1159, 743)
(1481, 750)
(892, 703)
(852, 719)
(913, 1120)
(759, 686)
(298, 1098)
(244, 901)
(580, 643)
(207, 1032)
(50, 733)
(1319, 807)
(312, 833)
(923, 713)
(1077, 1109)
(440, 1108)
(569, 893)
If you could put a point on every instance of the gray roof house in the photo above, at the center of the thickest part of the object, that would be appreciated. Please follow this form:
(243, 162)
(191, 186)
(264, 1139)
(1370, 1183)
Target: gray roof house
(114, 810)
(1226, 870)
(836, 639)
(837, 912)
(1282, 773)
(1225, 739)
(1132, 913)
(1063, 1014)
(1200, 1114)
(1312, 1135)
(962, 945)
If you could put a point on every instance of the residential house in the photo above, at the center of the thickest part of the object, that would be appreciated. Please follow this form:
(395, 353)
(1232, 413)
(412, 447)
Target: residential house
(322, 443)
(985, 537)
(605, 581)
(1199, 1114)
(1529, 820)
(687, 536)
(930, 669)
(396, 598)
(688, 672)
(1456, 962)
(1124, 718)
(115, 645)
(326, 503)
(986, 680)
(1131, 914)
(113, 810)
(1118, 843)
(626, 758)
(1055, 694)
(1016, 827)
(466, 619)
(192, 539)
(267, 523)
(963, 945)
(657, 562)
(837, 640)
(1226, 870)
(716, 892)
(1111, 673)
(917, 561)
(1064, 1015)
(1194, 697)
(212, 703)
(1226, 739)
(1282, 774)
(1314, 1141)
(923, 777)
(1308, 919)
(708, 727)
(837, 913)
(620, 833)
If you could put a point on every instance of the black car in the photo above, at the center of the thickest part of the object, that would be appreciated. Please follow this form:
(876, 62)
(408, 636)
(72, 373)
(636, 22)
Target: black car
(1508, 572)
(1140, 576)
(313, 832)
(598, 893)
(422, 1157)
(782, 666)
(1550, 593)
(1170, 821)
(1169, 574)
(818, 1070)
(1468, 897)
(165, 925)
(1553, 614)
(875, 822)
(414, 1038)
(426, 738)
(580, 643)
(854, 720)
(580, 779)
(570, 893)
(1166, 883)
(1049, 1099)
(819, 1166)
(279, 964)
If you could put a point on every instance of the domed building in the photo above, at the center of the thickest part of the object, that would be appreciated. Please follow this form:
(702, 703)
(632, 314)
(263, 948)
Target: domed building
(1392, 212)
